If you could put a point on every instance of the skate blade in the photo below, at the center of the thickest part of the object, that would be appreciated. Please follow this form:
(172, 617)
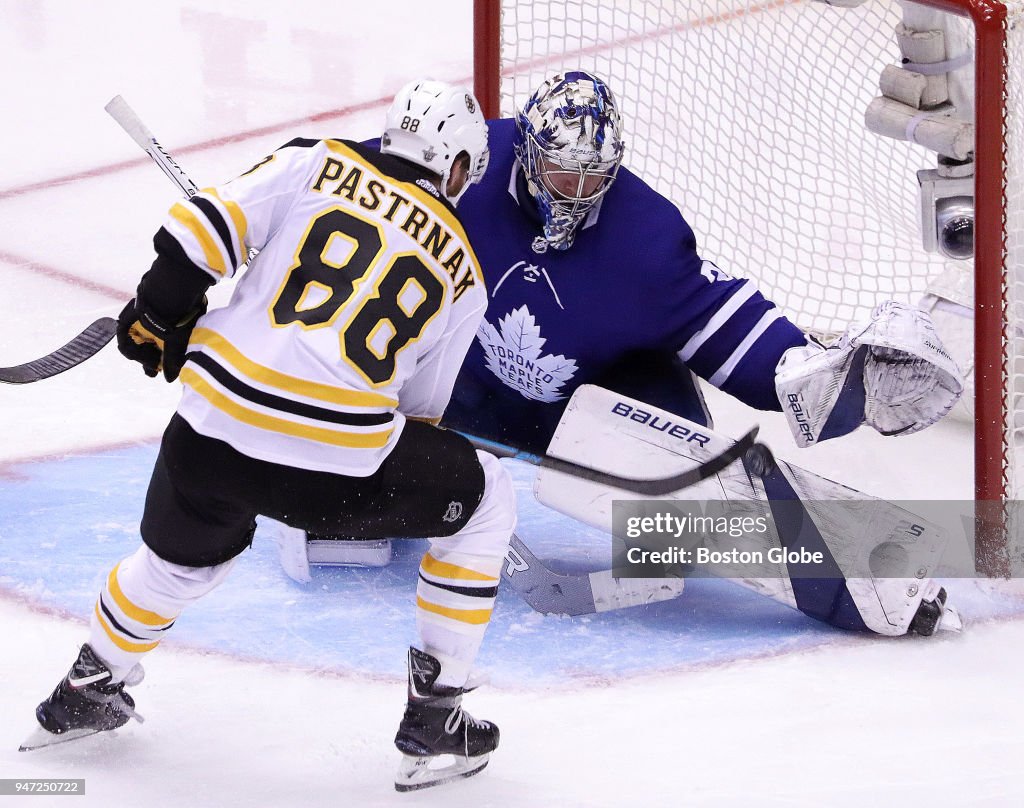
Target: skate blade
(415, 773)
(950, 620)
(40, 738)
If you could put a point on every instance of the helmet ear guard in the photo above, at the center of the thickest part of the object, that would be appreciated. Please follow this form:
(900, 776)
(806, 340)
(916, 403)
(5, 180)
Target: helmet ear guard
(568, 134)
(430, 123)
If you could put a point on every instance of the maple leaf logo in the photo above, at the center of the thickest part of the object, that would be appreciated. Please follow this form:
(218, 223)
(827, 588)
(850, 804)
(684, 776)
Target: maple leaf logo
(513, 352)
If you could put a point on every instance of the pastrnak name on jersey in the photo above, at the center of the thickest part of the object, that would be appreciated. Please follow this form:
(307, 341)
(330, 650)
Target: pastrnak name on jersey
(357, 182)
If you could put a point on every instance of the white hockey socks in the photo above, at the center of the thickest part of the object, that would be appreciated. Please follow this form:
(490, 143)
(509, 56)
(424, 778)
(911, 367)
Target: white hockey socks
(140, 601)
(454, 600)
(459, 577)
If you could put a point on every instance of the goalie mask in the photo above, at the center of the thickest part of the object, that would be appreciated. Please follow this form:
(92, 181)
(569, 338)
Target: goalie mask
(430, 123)
(569, 143)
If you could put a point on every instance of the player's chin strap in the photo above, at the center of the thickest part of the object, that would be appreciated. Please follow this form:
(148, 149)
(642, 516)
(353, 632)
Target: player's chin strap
(889, 371)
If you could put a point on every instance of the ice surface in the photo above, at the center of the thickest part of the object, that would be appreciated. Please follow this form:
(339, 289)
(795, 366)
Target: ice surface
(273, 694)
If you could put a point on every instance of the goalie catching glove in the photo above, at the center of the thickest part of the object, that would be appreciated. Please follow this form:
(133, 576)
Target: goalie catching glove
(889, 371)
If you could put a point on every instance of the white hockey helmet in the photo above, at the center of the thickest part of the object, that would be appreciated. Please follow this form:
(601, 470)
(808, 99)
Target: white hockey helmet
(430, 123)
(569, 142)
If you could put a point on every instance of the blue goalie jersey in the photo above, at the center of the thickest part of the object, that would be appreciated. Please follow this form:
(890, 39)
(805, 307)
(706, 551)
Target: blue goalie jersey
(630, 306)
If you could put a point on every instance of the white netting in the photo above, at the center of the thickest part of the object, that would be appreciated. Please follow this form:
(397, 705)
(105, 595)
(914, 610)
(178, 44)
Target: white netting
(750, 117)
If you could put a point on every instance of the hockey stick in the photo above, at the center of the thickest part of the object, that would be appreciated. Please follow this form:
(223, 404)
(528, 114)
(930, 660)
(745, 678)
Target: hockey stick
(651, 487)
(99, 333)
(126, 118)
(85, 345)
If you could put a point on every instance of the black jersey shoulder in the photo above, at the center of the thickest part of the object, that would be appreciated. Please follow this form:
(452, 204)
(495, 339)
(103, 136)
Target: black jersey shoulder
(301, 143)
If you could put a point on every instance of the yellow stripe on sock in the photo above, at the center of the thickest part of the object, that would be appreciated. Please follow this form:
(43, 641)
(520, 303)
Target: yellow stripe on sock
(137, 614)
(474, 616)
(442, 569)
(120, 642)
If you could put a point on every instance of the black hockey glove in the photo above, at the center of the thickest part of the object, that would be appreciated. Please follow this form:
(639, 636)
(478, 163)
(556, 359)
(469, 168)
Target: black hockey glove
(143, 338)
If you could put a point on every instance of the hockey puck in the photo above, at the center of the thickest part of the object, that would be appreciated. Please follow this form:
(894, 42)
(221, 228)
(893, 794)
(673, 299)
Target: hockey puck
(759, 460)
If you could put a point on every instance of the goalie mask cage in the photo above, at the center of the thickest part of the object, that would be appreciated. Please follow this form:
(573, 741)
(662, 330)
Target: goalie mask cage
(750, 117)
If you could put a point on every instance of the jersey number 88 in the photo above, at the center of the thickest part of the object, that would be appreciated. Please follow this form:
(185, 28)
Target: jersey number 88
(404, 300)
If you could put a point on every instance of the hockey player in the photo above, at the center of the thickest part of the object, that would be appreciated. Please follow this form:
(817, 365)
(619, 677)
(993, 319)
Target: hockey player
(305, 399)
(595, 278)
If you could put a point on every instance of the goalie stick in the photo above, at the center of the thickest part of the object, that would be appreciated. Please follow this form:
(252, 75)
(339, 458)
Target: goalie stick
(579, 593)
(126, 117)
(90, 342)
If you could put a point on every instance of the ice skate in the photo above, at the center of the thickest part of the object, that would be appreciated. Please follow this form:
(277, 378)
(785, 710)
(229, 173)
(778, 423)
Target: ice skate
(936, 615)
(436, 726)
(84, 703)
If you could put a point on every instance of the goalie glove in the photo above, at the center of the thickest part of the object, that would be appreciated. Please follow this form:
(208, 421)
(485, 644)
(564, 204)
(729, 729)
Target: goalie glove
(889, 371)
(910, 379)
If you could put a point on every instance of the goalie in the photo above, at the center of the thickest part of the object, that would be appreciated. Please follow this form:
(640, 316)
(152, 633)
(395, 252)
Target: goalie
(595, 279)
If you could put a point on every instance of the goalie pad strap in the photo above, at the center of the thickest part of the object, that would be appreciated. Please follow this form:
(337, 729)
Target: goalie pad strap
(940, 68)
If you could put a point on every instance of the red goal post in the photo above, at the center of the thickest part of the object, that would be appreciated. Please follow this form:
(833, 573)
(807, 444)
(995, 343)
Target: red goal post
(750, 116)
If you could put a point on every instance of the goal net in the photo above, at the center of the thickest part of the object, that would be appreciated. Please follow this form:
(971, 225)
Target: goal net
(750, 116)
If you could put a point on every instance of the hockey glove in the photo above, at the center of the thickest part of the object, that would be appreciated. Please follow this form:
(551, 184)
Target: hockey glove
(143, 338)
(888, 370)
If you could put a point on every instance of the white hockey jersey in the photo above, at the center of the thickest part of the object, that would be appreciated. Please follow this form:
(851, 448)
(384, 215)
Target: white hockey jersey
(357, 311)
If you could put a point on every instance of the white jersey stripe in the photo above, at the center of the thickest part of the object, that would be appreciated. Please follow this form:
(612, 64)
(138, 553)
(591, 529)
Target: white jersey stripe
(739, 297)
(723, 373)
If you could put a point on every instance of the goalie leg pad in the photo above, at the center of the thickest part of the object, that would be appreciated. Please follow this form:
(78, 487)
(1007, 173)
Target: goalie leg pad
(291, 549)
(599, 426)
(824, 598)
